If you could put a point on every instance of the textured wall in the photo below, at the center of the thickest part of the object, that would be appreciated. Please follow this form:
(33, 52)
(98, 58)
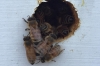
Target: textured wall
(82, 49)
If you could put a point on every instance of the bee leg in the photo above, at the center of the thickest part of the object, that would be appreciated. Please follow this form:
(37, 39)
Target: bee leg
(61, 51)
(53, 60)
(27, 29)
(24, 20)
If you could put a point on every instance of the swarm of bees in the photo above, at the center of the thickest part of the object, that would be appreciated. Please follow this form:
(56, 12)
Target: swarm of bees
(52, 22)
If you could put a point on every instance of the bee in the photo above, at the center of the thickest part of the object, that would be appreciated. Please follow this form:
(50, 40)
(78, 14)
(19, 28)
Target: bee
(34, 30)
(46, 45)
(30, 52)
(62, 31)
(46, 28)
(54, 52)
(67, 19)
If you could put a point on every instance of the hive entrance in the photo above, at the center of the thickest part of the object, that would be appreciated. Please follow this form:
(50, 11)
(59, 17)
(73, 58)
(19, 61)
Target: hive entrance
(60, 15)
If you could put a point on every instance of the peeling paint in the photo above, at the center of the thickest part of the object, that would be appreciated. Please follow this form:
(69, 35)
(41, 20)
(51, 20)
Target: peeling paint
(39, 1)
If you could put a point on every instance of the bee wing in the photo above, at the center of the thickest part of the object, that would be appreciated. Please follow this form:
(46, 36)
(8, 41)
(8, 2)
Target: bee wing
(35, 34)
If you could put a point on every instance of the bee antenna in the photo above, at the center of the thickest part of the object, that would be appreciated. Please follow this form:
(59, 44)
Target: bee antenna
(53, 60)
(24, 20)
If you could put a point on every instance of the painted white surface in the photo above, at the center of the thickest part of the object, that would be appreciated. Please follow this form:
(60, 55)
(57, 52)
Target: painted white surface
(82, 49)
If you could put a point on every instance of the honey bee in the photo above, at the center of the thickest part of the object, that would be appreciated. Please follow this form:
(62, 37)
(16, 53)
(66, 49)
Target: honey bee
(34, 33)
(62, 31)
(46, 45)
(30, 52)
(67, 19)
(46, 29)
(54, 52)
